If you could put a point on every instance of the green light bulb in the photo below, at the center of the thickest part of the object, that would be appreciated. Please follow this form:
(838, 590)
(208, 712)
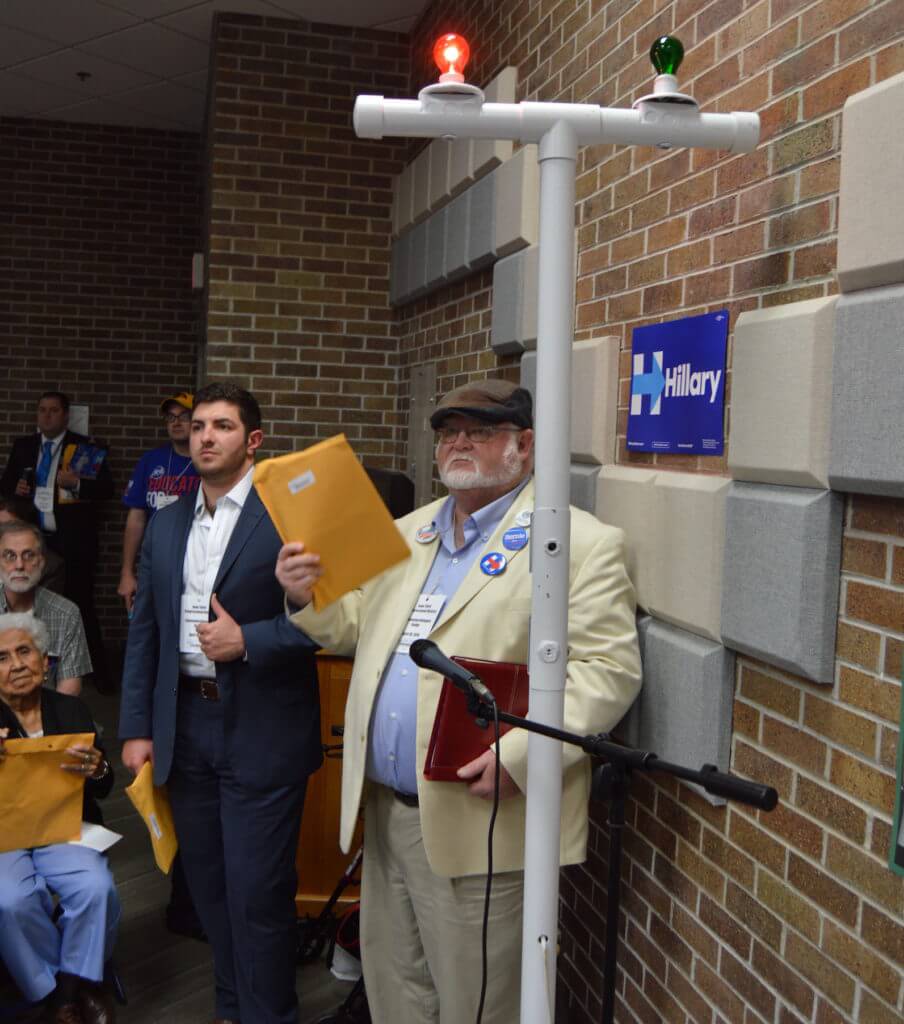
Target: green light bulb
(666, 55)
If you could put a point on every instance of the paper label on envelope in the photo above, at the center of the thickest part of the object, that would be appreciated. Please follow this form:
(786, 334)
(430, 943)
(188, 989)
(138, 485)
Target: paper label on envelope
(422, 620)
(300, 482)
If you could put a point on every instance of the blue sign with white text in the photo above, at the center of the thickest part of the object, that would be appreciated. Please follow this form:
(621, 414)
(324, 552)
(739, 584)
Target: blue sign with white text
(678, 386)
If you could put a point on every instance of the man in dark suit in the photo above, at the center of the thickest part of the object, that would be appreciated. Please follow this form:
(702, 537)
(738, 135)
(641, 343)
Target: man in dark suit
(219, 692)
(68, 506)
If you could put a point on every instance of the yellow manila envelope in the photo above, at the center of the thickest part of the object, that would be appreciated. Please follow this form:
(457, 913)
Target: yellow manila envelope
(323, 497)
(41, 803)
(152, 803)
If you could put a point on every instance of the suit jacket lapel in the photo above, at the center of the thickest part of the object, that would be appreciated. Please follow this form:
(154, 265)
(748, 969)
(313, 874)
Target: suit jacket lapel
(251, 514)
(476, 578)
(179, 540)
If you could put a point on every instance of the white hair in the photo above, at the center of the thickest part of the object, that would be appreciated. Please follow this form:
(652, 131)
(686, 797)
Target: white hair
(28, 624)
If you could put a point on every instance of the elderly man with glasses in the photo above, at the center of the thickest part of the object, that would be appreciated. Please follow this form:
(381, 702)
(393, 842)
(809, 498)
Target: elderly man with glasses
(22, 560)
(467, 585)
(161, 477)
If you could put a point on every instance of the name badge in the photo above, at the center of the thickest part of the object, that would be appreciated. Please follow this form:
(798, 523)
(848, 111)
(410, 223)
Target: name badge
(166, 499)
(422, 620)
(44, 499)
(194, 610)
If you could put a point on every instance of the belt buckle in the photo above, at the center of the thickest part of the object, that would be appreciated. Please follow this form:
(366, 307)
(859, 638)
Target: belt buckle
(209, 689)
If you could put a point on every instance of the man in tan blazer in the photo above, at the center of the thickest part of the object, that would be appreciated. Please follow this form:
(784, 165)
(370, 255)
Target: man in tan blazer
(468, 578)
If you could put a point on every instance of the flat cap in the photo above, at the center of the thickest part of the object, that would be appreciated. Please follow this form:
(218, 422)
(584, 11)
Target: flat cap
(493, 401)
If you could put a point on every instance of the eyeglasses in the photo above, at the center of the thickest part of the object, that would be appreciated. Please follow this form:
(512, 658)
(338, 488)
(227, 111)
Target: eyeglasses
(476, 435)
(28, 556)
(177, 417)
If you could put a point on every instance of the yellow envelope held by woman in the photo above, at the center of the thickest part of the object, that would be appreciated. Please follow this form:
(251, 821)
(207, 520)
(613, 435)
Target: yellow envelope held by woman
(152, 803)
(41, 804)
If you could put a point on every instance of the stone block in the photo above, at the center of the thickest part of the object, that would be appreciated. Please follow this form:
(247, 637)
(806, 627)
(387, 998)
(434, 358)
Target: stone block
(781, 394)
(403, 194)
(417, 268)
(420, 203)
(489, 153)
(871, 211)
(687, 541)
(517, 202)
(458, 216)
(866, 447)
(780, 583)
(583, 486)
(514, 323)
(624, 498)
(481, 249)
(594, 395)
(461, 158)
(436, 248)
(684, 710)
(439, 173)
(400, 261)
(594, 399)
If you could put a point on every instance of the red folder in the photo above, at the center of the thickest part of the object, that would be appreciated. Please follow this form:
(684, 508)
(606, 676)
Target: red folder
(456, 738)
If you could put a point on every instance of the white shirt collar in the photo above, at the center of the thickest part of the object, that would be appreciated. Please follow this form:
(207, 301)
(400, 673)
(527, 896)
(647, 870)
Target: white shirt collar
(238, 495)
(55, 441)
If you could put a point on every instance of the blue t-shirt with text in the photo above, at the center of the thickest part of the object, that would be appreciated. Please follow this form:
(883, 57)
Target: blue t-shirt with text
(161, 477)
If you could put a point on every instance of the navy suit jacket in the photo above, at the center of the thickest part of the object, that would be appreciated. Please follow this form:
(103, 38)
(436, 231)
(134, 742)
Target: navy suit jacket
(270, 702)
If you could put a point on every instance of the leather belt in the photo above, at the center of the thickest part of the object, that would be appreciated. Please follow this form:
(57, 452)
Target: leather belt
(206, 688)
(408, 799)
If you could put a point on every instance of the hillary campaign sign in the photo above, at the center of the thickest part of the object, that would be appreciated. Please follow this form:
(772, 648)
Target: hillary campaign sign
(678, 386)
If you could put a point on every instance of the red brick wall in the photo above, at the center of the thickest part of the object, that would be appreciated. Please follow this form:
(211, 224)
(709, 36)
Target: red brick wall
(99, 225)
(299, 231)
(728, 914)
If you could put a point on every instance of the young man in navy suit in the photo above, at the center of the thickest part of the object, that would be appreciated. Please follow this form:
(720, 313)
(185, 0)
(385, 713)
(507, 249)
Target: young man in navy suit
(219, 693)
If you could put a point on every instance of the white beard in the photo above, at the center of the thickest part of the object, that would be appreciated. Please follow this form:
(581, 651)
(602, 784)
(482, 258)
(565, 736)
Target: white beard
(463, 479)
(23, 583)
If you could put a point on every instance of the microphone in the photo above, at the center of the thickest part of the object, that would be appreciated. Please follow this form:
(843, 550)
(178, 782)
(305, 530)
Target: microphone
(425, 654)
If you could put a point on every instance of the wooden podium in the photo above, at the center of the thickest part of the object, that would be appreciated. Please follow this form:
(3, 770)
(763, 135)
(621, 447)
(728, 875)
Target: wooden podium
(318, 860)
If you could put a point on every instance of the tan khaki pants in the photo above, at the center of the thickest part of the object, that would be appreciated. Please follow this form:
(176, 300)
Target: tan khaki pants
(421, 934)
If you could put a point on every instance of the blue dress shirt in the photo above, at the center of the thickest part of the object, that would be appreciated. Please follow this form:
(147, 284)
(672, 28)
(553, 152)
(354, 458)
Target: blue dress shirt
(392, 749)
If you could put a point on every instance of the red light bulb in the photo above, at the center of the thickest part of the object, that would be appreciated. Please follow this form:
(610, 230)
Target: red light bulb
(451, 53)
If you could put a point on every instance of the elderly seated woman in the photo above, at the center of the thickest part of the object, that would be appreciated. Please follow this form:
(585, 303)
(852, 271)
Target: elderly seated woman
(62, 958)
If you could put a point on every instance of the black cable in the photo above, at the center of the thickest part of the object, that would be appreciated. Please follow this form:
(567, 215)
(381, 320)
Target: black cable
(486, 898)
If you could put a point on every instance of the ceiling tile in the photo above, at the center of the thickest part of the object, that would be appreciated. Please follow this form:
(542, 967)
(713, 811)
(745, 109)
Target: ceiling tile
(16, 46)
(196, 80)
(168, 100)
(64, 20)
(352, 12)
(61, 68)
(19, 95)
(104, 111)
(148, 10)
(196, 21)
(153, 49)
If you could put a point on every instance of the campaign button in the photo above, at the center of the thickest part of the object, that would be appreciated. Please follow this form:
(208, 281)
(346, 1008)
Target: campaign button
(524, 517)
(494, 563)
(515, 539)
(425, 534)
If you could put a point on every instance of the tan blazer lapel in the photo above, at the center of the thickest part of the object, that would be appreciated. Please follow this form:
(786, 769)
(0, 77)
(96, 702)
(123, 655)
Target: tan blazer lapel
(476, 578)
(407, 588)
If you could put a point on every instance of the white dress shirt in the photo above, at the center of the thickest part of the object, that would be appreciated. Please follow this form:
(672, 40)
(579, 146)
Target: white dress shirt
(207, 543)
(48, 522)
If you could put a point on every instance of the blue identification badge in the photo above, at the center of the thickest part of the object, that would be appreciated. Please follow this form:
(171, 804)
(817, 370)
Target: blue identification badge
(493, 564)
(426, 534)
(515, 539)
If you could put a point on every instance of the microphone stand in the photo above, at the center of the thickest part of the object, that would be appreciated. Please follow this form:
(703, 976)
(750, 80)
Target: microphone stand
(611, 781)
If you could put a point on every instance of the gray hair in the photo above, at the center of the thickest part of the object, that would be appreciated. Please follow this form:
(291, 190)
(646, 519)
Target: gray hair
(25, 621)
(21, 526)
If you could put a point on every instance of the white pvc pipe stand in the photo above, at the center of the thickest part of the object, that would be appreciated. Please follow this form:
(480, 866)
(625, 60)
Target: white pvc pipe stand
(558, 129)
